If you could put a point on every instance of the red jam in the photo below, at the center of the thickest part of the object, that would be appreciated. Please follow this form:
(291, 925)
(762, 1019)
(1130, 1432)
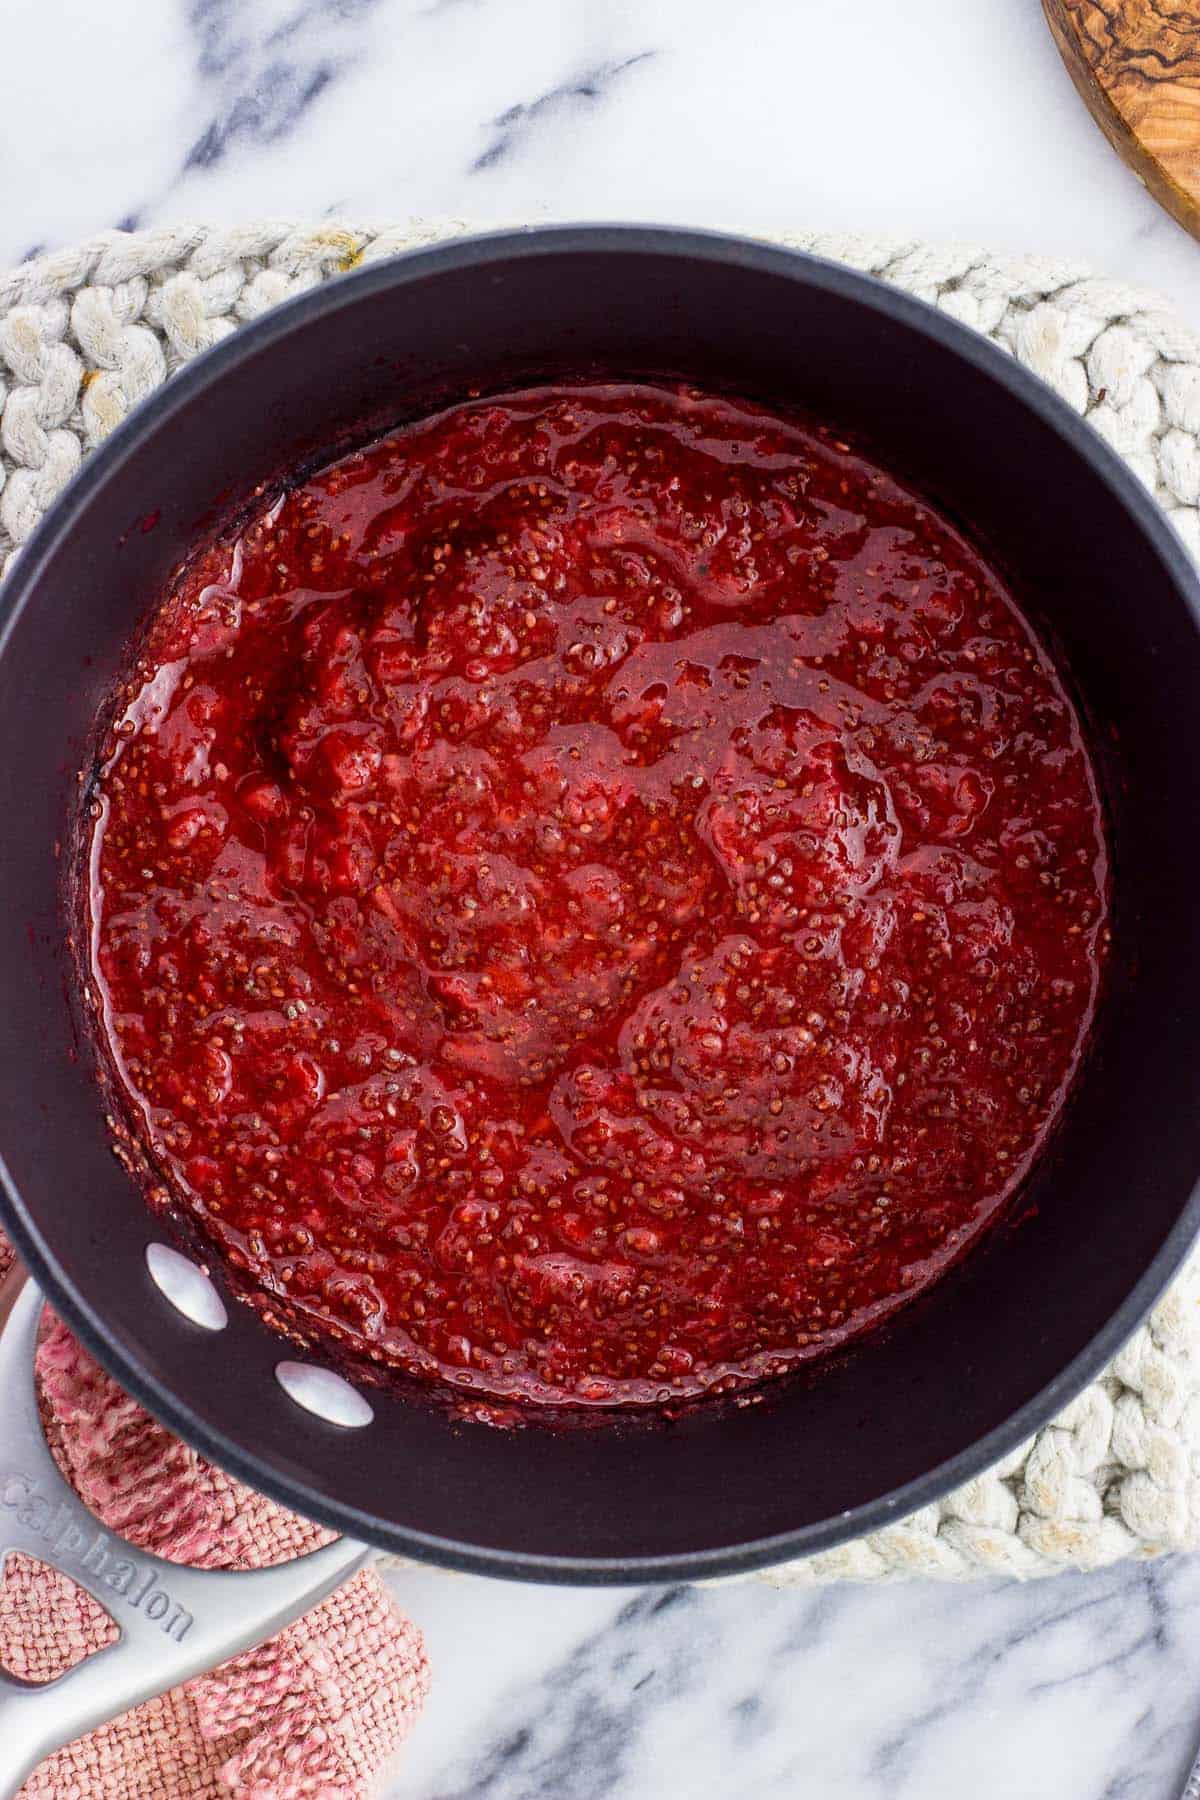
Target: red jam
(597, 897)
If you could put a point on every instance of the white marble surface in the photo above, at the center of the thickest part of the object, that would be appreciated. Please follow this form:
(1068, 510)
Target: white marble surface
(935, 118)
(943, 118)
(1077, 1688)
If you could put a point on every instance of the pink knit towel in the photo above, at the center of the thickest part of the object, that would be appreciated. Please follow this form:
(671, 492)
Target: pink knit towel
(313, 1715)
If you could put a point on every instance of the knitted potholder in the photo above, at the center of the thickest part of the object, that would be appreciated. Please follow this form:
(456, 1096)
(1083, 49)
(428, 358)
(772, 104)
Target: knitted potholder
(86, 332)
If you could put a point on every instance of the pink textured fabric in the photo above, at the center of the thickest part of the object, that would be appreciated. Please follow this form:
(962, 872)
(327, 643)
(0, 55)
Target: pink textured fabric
(313, 1715)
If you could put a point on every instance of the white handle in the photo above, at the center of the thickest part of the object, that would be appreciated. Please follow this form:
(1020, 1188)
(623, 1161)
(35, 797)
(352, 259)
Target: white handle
(174, 1622)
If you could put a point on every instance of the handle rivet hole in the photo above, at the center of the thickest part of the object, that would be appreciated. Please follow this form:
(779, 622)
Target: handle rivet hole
(186, 1286)
(331, 1397)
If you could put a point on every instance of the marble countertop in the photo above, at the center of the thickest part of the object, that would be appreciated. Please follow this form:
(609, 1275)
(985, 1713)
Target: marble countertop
(939, 119)
(1075, 1688)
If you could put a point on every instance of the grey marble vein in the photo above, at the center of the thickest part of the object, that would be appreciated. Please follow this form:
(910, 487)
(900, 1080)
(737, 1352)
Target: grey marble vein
(514, 128)
(573, 1741)
(264, 68)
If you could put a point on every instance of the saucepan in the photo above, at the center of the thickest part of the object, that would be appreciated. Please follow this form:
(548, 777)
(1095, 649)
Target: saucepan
(958, 1379)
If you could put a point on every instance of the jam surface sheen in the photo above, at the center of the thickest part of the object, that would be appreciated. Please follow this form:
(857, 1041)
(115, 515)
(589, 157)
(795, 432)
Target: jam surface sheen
(597, 897)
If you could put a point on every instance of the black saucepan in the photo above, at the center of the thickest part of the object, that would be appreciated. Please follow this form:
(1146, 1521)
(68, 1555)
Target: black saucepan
(1028, 1318)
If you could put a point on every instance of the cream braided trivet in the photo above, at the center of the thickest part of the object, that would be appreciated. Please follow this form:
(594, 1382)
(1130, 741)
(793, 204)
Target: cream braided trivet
(88, 331)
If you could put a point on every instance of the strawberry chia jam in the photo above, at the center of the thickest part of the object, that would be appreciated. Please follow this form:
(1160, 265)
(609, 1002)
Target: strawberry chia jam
(597, 897)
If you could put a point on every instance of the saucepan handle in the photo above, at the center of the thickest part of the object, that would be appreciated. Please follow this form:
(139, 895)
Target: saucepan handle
(173, 1622)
